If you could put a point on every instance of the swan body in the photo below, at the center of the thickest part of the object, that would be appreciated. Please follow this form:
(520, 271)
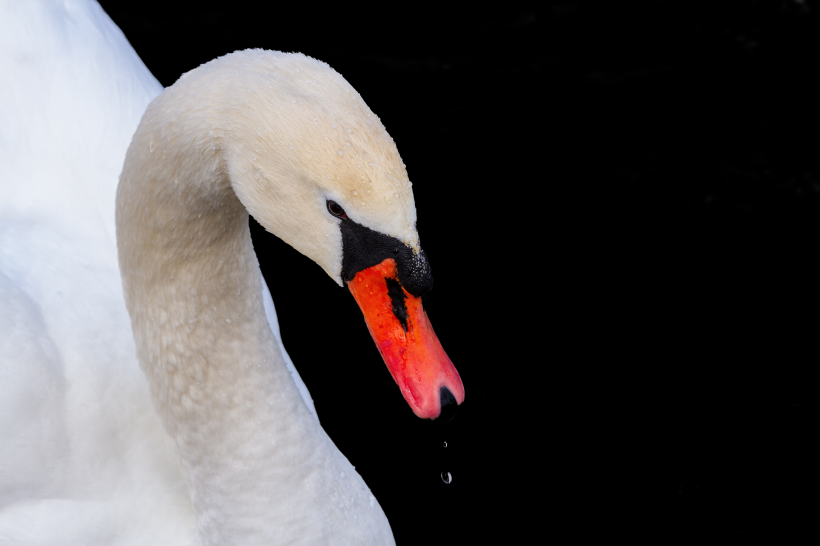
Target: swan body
(98, 317)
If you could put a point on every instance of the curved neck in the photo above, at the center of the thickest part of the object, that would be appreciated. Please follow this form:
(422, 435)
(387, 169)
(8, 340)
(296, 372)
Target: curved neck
(192, 288)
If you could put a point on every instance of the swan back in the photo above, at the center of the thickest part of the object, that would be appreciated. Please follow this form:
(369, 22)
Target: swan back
(73, 93)
(83, 456)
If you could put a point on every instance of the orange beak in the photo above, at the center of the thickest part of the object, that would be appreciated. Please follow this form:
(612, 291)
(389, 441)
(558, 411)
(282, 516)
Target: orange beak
(406, 341)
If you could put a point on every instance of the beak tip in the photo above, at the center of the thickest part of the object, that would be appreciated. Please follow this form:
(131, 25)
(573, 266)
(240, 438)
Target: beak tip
(449, 406)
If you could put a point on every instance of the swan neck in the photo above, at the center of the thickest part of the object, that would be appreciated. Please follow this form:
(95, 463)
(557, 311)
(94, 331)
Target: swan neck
(193, 290)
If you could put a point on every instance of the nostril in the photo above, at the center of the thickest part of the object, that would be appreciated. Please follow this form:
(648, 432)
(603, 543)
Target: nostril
(449, 406)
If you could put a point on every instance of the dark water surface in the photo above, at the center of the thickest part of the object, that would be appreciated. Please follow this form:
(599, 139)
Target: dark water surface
(621, 205)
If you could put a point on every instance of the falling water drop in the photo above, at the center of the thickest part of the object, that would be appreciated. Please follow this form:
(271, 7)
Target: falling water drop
(445, 444)
(446, 477)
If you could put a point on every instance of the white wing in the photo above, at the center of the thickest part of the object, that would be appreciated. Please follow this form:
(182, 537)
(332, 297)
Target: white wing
(83, 456)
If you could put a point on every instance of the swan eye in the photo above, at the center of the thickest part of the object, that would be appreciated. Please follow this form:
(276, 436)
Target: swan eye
(334, 209)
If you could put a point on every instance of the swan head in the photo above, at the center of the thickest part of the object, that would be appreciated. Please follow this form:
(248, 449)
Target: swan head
(295, 136)
(315, 166)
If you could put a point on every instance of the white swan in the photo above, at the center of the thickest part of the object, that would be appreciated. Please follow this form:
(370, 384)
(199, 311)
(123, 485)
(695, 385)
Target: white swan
(84, 457)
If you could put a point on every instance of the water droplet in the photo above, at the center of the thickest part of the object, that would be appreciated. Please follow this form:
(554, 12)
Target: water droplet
(445, 444)
(349, 131)
(446, 477)
(355, 192)
(369, 122)
(228, 320)
(340, 152)
(389, 177)
(395, 195)
(291, 147)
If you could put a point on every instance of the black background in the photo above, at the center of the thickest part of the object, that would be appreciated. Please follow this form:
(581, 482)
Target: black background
(621, 203)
